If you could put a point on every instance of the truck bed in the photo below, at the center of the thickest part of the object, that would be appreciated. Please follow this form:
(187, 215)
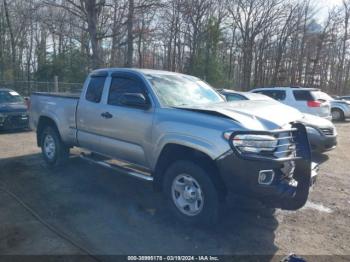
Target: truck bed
(63, 95)
(61, 108)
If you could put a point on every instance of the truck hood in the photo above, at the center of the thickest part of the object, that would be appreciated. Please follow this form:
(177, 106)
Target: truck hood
(12, 107)
(256, 115)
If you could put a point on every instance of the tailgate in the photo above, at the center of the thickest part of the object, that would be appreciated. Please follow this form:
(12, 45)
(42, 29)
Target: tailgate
(59, 108)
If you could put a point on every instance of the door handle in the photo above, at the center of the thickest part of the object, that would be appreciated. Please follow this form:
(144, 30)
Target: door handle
(107, 115)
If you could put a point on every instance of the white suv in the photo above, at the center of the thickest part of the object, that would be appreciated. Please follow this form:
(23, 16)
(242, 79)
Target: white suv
(306, 100)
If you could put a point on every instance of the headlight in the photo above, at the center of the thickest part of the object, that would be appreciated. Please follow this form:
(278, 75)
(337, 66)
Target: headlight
(249, 143)
(312, 131)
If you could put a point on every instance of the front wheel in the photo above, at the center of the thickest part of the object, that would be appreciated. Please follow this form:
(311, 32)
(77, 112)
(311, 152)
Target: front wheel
(191, 194)
(54, 151)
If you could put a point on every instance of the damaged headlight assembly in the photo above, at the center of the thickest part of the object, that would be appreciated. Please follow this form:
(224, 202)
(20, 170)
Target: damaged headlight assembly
(252, 143)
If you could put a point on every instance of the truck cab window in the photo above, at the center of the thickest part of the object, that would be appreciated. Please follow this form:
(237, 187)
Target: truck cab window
(121, 86)
(95, 89)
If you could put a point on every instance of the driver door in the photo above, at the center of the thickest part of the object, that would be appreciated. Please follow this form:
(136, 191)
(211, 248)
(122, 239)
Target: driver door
(126, 129)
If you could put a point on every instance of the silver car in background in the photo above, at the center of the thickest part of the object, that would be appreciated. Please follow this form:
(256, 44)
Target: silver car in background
(340, 108)
(321, 132)
(343, 98)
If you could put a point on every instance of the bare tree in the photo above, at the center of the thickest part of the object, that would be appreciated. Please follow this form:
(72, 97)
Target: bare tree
(89, 11)
(252, 17)
(340, 80)
(231, 43)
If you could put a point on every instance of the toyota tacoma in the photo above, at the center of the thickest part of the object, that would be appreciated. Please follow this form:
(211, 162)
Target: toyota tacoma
(176, 131)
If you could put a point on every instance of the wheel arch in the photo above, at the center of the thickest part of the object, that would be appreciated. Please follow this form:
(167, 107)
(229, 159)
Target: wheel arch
(45, 121)
(172, 152)
(341, 110)
(337, 107)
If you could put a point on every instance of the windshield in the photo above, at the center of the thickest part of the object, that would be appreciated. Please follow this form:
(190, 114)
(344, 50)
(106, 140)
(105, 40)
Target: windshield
(318, 95)
(10, 97)
(181, 90)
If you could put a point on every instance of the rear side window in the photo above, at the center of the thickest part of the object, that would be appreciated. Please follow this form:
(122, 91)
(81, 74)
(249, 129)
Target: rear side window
(233, 97)
(121, 86)
(95, 89)
(275, 94)
(302, 95)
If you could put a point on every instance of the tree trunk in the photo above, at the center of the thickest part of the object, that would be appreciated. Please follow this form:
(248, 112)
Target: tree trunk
(92, 16)
(115, 39)
(302, 47)
(139, 49)
(130, 37)
(247, 66)
(340, 82)
(12, 40)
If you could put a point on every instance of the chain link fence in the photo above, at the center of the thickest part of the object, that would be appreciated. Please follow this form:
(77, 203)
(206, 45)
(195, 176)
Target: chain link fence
(25, 88)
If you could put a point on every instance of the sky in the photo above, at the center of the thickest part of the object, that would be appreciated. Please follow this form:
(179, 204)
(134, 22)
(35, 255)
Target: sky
(324, 6)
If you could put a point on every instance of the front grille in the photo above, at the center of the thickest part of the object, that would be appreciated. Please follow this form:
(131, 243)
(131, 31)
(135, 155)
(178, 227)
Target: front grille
(327, 131)
(16, 121)
(292, 144)
(286, 146)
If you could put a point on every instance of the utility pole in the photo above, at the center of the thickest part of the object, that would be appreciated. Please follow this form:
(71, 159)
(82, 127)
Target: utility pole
(55, 84)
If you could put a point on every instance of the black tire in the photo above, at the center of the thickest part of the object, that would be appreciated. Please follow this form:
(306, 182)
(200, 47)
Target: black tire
(339, 115)
(60, 152)
(210, 210)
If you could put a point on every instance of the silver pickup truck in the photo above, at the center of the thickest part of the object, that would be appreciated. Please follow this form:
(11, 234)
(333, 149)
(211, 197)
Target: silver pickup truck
(178, 132)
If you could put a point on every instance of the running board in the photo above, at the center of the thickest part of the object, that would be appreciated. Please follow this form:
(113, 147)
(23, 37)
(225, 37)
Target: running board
(122, 169)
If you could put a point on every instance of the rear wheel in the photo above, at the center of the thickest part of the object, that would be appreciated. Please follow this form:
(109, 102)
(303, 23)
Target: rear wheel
(191, 194)
(54, 151)
(337, 115)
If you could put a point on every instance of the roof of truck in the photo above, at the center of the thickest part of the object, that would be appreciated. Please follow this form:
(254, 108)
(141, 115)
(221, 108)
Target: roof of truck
(139, 70)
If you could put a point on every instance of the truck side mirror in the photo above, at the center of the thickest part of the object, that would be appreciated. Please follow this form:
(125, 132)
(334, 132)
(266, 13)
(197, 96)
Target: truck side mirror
(135, 100)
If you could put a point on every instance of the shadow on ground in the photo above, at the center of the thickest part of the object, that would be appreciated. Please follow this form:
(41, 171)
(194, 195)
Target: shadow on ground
(109, 213)
(14, 131)
(319, 158)
(340, 123)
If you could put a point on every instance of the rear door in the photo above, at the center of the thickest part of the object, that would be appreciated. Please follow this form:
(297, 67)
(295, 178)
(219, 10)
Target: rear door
(126, 133)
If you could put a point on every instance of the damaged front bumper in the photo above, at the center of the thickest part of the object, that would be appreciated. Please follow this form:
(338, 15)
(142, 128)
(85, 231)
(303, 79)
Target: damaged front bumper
(280, 182)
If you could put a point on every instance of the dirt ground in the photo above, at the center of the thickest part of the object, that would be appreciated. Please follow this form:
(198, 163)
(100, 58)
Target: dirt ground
(84, 208)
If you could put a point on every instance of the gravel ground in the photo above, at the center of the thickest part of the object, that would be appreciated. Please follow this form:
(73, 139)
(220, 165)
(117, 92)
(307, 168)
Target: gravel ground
(107, 213)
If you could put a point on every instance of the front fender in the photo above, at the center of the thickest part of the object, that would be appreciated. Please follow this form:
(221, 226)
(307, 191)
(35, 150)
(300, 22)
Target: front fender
(213, 150)
(343, 107)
